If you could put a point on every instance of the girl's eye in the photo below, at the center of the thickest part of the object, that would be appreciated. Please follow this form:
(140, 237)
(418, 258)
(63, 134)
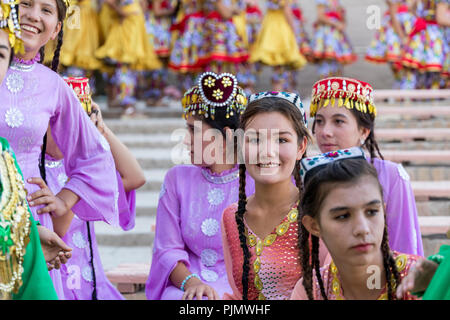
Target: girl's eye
(253, 140)
(2, 56)
(372, 212)
(282, 140)
(318, 121)
(24, 3)
(338, 121)
(342, 216)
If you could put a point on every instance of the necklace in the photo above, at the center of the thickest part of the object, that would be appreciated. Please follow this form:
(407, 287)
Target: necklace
(37, 58)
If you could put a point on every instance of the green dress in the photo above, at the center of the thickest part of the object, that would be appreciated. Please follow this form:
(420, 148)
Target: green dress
(439, 288)
(36, 283)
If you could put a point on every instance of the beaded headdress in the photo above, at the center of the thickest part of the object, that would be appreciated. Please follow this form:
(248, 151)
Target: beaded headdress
(350, 93)
(310, 163)
(82, 90)
(14, 224)
(291, 97)
(214, 91)
(9, 21)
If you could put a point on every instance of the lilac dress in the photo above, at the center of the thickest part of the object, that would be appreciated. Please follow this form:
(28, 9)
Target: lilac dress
(188, 228)
(33, 98)
(401, 212)
(77, 274)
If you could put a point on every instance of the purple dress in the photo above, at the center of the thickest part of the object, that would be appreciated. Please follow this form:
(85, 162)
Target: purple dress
(401, 212)
(188, 228)
(33, 98)
(77, 274)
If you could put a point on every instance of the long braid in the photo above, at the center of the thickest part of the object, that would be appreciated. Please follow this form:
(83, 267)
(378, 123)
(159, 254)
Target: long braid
(390, 267)
(55, 61)
(305, 261)
(372, 146)
(241, 227)
(316, 264)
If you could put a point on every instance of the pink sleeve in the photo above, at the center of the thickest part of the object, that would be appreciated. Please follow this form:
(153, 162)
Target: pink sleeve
(87, 158)
(168, 246)
(299, 292)
(235, 295)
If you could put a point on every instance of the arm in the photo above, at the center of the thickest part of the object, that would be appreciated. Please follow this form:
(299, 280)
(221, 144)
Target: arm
(160, 11)
(393, 7)
(443, 14)
(288, 14)
(127, 165)
(322, 18)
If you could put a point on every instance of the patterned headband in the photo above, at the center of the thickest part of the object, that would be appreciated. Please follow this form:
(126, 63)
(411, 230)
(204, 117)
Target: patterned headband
(214, 91)
(9, 22)
(291, 97)
(307, 164)
(350, 93)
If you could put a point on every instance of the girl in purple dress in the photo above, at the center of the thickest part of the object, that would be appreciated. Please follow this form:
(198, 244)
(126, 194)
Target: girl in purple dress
(35, 98)
(188, 257)
(351, 124)
(83, 276)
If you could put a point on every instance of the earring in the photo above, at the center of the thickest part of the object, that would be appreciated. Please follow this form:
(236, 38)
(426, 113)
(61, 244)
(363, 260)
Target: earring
(362, 141)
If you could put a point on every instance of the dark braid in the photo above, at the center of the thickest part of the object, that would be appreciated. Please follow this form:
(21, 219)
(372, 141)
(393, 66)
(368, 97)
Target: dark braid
(372, 145)
(241, 227)
(55, 61)
(42, 159)
(390, 267)
(316, 264)
(305, 260)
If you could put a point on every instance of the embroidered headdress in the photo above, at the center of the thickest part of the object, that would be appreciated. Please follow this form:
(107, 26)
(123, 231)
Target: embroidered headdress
(348, 92)
(310, 163)
(291, 97)
(214, 91)
(9, 22)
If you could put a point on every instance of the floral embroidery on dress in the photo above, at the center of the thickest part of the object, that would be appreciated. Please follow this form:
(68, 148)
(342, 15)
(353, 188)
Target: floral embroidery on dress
(62, 179)
(208, 257)
(78, 240)
(209, 275)
(402, 172)
(215, 196)
(14, 117)
(14, 83)
(210, 227)
(87, 273)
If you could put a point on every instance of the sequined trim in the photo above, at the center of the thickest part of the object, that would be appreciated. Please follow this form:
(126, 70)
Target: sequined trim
(210, 227)
(252, 241)
(220, 179)
(22, 67)
(215, 196)
(53, 164)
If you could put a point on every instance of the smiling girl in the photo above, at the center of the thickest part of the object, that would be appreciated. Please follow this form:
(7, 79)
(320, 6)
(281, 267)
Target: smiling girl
(353, 229)
(35, 98)
(260, 233)
(344, 117)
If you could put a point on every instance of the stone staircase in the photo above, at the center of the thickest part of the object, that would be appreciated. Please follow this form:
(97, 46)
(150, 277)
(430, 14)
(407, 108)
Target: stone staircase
(415, 134)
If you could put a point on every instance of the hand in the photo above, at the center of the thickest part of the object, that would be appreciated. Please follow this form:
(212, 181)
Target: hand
(196, 288)
(97, 119)
(54, 205)
(418, 278)
(56, 251)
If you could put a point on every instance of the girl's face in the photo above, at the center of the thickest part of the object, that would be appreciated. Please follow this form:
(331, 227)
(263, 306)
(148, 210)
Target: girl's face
(205, 144)
(271, 148)
(351, 226)
(5, 54)
(39, 23)
(337, 128)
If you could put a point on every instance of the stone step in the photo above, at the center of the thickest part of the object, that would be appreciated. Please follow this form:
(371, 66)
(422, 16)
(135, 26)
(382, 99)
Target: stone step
(414, 145)
(380, 95)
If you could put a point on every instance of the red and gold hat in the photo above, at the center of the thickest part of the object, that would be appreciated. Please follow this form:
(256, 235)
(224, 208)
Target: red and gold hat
(82, 90)
(350, 93)
(214, 91)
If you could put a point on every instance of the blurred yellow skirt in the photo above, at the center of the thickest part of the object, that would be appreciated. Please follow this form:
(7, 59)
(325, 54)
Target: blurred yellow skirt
(127, 42)
(240, 22)
(276, 44)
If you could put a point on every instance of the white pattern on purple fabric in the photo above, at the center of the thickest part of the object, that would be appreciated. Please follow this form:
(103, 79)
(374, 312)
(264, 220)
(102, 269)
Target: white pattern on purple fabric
(78, 240)
(215, 196)
(87, 273)
(208, 257)
(14, 82)
(14, 117)
(402, 172)
(62, 179)
(210, 227)
(209, 275)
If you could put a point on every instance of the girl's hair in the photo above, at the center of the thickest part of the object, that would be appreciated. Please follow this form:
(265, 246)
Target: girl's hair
(318, 184)
(294, 115)
(364, 120)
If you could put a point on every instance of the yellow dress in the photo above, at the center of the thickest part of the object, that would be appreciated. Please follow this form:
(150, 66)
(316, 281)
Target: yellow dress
(81, 37)
(127, 41)
(276, 44)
